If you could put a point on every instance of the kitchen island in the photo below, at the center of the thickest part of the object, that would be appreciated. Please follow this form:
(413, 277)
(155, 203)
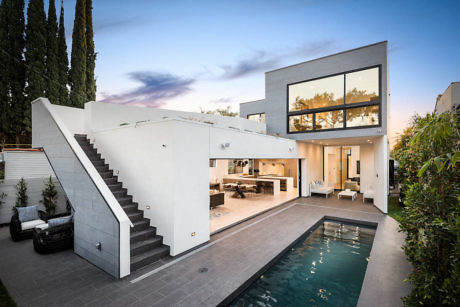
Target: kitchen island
(286, 183)
(268, 186)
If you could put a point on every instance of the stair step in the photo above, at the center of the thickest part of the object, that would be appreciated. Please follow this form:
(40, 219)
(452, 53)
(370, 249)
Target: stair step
(131, 208)
(125, 200)
(107, 174)
(135, 216)
(148, 257)
(93, 155)
(88, 147)
(102, 169)
(94, 158)
(115, 186)
(111, 180)
(146, 245)
(99, 162)
(143, 235)
(140, 225)
(121, 193)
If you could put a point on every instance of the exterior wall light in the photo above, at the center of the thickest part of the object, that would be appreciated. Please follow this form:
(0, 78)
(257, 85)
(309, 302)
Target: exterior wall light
(99, 245)
(225, 145)
(291, 148)
(147, 207)
(192, 234)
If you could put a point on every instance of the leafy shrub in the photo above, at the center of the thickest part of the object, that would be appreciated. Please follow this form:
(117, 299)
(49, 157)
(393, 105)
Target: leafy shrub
(428, 154)
(21, 194)
(49, 194)
(2, 196)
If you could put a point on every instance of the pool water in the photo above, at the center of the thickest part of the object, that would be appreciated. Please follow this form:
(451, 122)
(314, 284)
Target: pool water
(325, 269)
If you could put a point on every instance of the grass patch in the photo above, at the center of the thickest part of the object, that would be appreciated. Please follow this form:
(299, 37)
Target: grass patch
(5, 299)
(394, 209)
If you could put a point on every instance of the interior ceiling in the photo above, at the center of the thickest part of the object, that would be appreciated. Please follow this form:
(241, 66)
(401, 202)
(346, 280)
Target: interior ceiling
(344, 141)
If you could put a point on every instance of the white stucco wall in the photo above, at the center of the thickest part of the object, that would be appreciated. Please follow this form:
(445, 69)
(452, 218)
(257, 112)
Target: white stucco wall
(74, 118)
(105, 115)
(381, 164)
(249, 145)
(98, 216)
(313, 154)
(367, 169)
(164, 165)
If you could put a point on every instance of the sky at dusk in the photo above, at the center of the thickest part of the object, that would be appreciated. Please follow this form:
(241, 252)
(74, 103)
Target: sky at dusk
(185, 55)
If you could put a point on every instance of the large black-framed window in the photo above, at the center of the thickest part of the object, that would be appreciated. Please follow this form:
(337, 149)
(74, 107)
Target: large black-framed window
(346, 100)
(258, 117)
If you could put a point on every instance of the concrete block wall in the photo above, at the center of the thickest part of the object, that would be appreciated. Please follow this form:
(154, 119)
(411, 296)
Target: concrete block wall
(94, 221)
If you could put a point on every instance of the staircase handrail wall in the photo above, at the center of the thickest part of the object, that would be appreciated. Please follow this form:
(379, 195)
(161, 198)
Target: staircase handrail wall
(111, 202)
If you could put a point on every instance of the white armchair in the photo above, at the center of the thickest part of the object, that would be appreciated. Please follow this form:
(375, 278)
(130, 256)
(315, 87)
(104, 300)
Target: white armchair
(368, 194)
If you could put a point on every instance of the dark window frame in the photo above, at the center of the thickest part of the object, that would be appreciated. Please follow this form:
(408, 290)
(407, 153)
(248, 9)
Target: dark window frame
(260, 113)
(344, 106)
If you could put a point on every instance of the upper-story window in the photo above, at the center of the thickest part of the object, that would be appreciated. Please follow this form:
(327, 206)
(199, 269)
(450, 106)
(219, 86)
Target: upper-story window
(259, 117)
(346, 100)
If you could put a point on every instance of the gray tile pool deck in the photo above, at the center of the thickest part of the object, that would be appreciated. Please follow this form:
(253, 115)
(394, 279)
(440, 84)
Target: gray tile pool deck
(231, 257)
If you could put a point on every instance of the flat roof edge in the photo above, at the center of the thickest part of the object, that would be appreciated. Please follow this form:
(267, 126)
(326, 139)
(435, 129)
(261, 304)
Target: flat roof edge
(330, 55)
(259, 100)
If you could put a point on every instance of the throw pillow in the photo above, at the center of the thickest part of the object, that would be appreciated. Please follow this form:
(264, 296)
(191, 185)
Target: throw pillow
(26, 214)
(59, 221)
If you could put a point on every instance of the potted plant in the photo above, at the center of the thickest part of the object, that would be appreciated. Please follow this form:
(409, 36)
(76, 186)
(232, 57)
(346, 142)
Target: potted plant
(21, 194)
(49, 194)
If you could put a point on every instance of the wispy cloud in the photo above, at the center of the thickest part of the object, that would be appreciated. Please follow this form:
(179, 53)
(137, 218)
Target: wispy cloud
(261, 61)
(257, 62)
(123, 22)
(313, 49)
(155, 90)
(222, 100)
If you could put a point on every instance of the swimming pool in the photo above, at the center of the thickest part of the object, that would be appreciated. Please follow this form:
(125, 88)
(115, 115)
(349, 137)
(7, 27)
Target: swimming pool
(325, 268)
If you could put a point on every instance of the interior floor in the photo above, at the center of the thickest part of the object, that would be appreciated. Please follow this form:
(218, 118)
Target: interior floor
(238, 209)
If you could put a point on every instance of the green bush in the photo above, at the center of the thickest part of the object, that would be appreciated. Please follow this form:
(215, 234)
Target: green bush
(2, 196)
(49, 194)
(428, 154)
(21, 194)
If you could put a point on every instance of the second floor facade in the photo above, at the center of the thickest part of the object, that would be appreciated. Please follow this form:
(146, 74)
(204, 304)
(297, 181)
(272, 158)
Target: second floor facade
(337, 96)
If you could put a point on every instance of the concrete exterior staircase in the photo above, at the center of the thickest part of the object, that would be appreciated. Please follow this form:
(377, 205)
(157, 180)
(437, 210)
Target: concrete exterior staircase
(146, 246)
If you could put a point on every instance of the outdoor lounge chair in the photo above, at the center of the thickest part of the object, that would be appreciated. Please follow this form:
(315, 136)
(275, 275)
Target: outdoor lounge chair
(24, 221)
(368, 194)
(54, 236)
(318, 187)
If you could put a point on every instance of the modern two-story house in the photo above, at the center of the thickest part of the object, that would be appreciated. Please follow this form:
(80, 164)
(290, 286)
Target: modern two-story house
(341, 103)
(145, 182)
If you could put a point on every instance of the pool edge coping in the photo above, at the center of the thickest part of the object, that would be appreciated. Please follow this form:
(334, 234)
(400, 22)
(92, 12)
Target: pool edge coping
(230, 298)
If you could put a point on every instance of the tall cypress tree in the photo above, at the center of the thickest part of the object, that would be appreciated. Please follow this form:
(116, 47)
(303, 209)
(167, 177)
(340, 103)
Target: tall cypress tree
(90, 54)
(4, 69)
(20, 108)
(63, 62)
(35, 53)
(52, 71)
(78, 57)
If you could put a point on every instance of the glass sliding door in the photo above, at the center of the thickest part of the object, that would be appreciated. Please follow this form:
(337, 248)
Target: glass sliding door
(341, 167)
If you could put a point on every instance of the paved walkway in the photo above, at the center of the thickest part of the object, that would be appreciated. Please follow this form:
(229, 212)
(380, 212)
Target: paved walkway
(208, 275)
